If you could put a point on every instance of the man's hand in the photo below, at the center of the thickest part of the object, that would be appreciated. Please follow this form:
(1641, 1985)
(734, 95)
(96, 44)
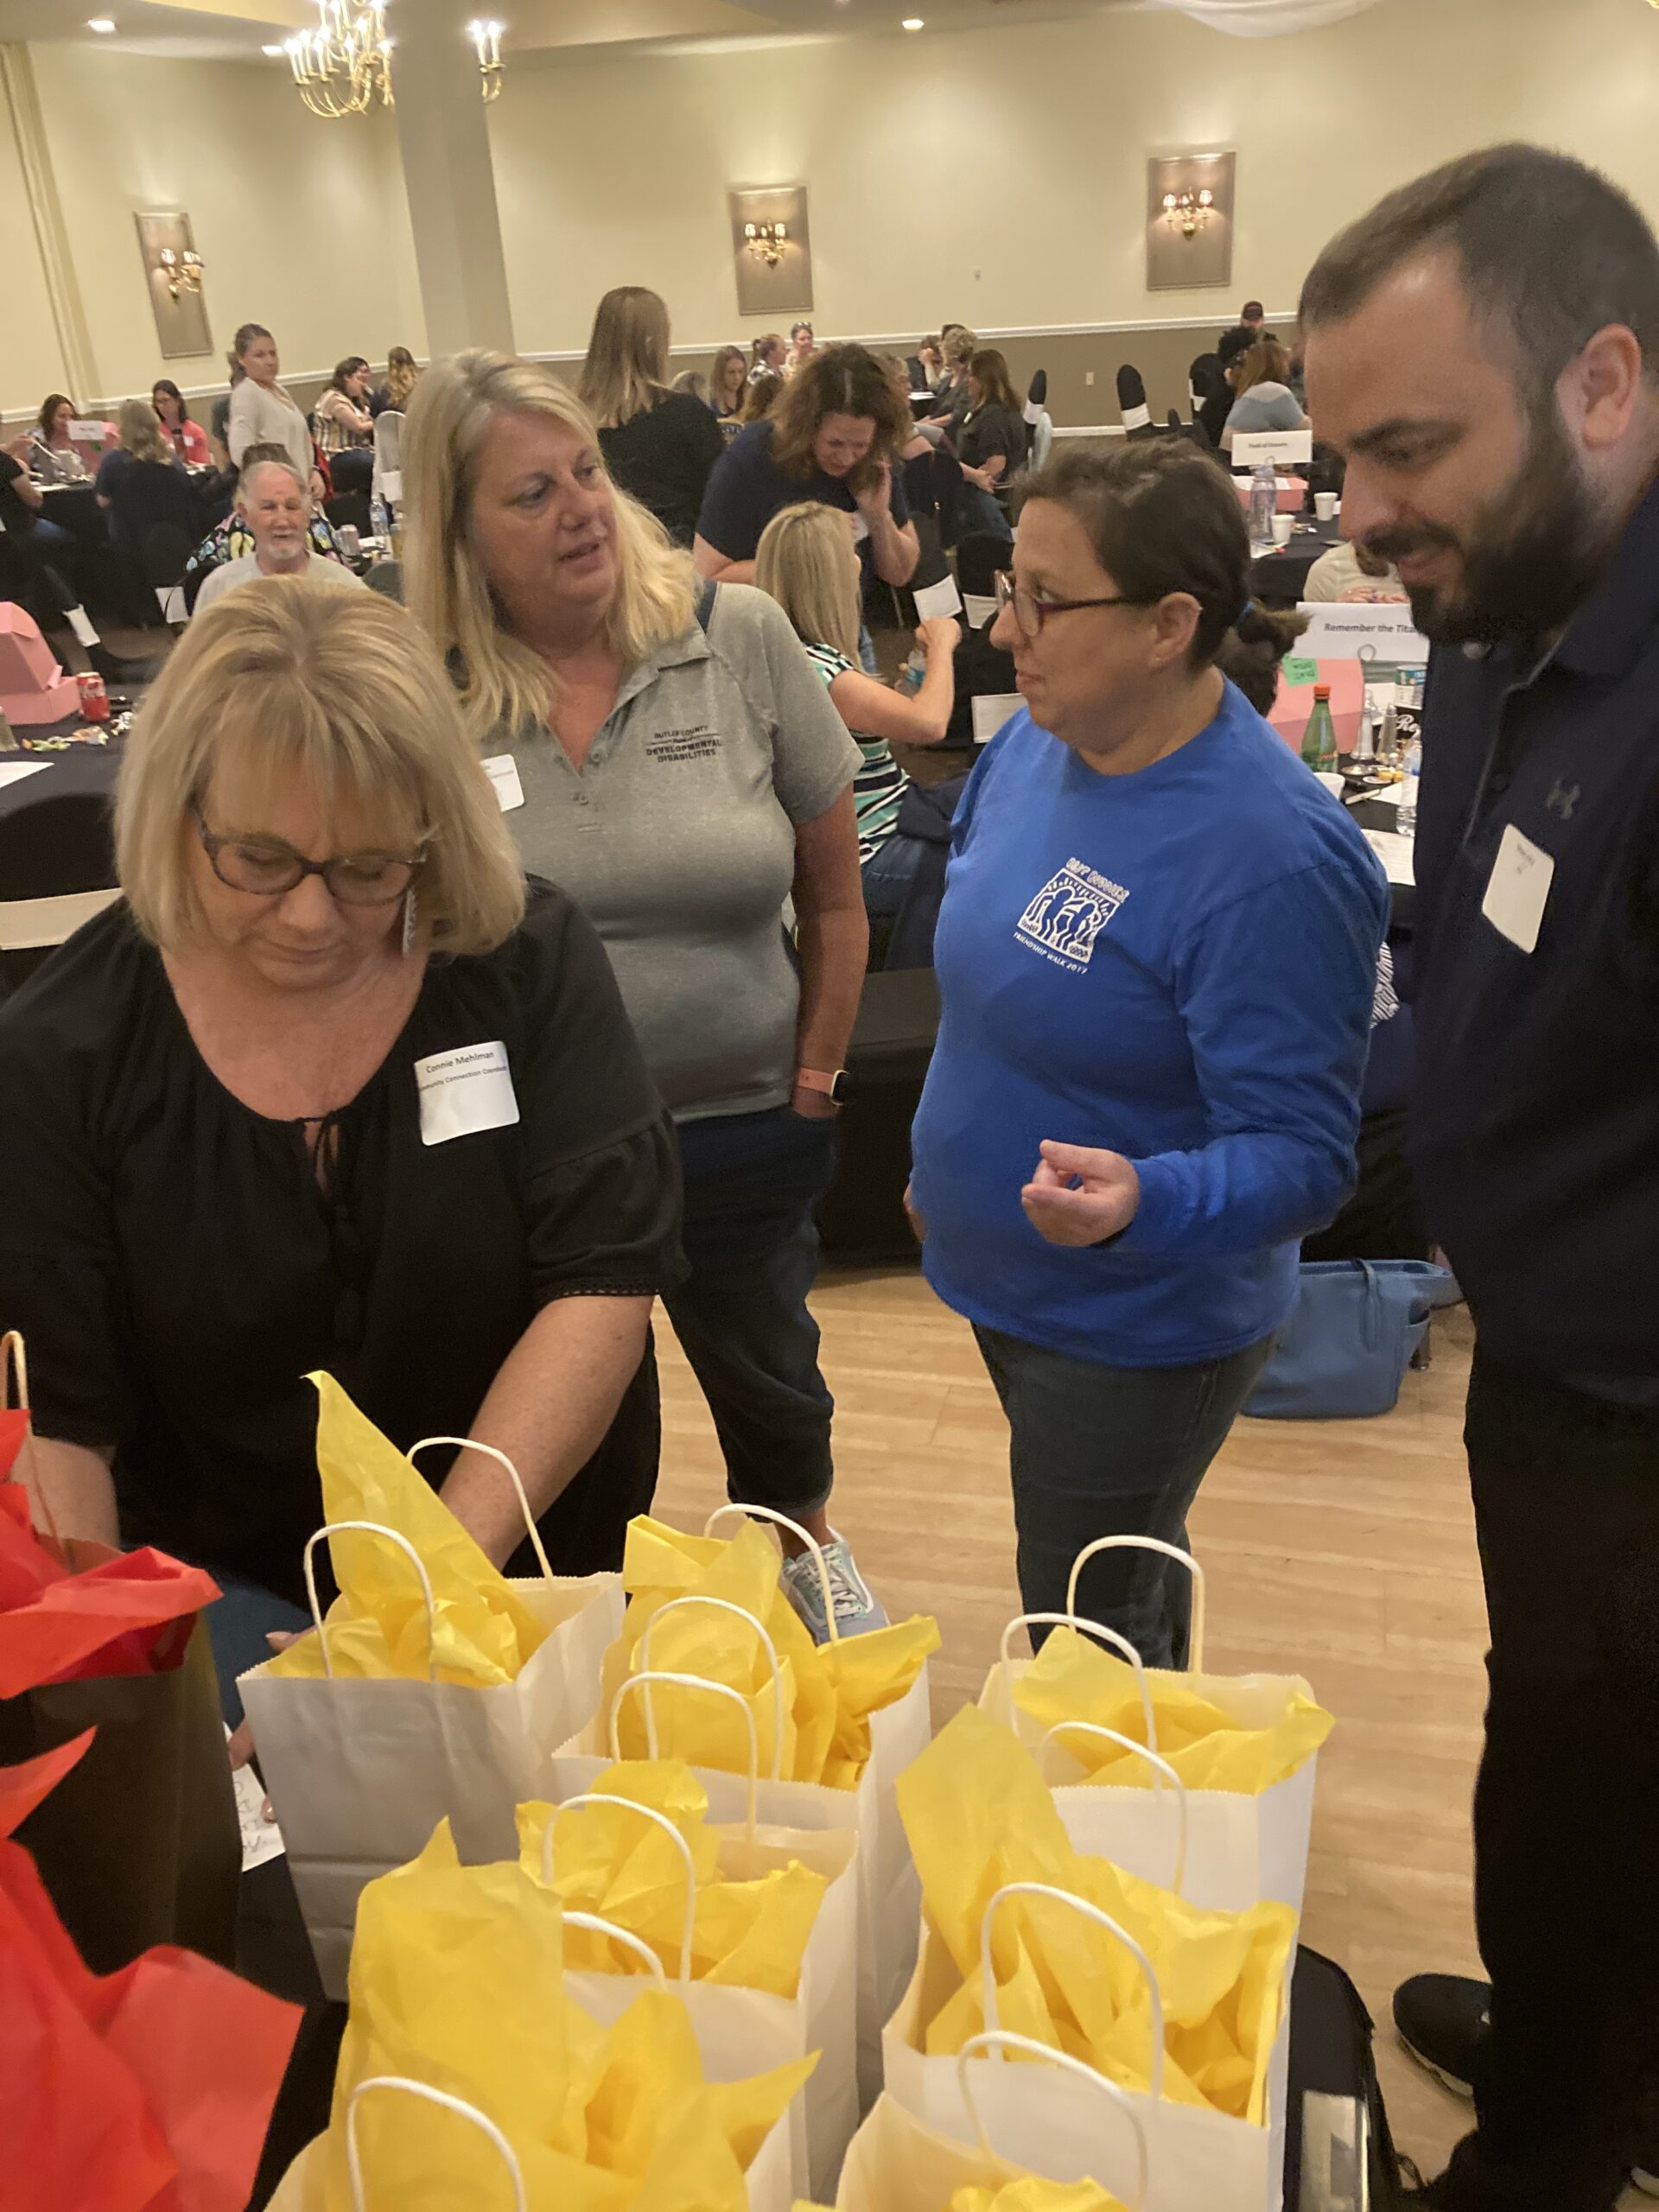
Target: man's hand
(876, 499)
(1079, 1196)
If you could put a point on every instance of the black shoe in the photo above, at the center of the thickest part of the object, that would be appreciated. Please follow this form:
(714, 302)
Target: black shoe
(1443, 2019)
(126, 673)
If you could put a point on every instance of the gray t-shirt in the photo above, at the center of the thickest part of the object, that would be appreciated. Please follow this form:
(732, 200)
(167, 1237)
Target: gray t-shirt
(245, 570)
(1265, 407)
(677, 842)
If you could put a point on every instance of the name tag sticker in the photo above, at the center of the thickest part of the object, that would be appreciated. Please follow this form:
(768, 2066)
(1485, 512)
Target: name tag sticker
(465, 1091)
(1515, 896)
(503, 771)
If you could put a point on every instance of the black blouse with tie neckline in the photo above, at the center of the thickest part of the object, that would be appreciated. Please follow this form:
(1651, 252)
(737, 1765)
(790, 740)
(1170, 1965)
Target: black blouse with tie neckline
(177, 1262)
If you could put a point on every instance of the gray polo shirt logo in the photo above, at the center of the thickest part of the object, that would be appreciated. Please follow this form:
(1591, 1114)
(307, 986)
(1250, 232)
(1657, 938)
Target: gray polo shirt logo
(699, 742)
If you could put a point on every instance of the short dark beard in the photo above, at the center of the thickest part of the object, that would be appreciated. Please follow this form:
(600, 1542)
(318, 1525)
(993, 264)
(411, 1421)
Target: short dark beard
(1532, 558)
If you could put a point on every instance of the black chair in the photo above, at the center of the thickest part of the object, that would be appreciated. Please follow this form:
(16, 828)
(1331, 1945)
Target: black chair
(861, 1216)
(387, 578)
(351, 509)
(1206, 379)
(155, 518)
(980, 557)
(1036, 414)
(947, 483)
(1132, 405)
(57, 863)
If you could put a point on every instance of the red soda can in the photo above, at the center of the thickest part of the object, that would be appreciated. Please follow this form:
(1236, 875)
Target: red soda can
(94, 699)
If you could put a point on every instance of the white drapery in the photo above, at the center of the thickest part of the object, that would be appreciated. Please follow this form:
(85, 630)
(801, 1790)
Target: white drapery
(1266, 18)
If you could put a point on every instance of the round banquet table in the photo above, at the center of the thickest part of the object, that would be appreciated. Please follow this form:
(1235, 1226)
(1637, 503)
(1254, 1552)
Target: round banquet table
(1278, 579)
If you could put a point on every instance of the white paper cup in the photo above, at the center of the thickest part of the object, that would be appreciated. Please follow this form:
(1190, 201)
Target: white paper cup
(1324, 505)
(1282, 527)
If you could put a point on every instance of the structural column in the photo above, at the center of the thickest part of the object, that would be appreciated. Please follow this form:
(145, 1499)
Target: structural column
(444, 141)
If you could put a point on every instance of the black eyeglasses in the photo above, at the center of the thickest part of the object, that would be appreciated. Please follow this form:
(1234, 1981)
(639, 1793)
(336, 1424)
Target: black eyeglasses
(266, 867)
(1030, 613)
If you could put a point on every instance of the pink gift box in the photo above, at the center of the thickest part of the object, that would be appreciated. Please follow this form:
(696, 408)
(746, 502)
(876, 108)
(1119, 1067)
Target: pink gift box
(1294, 704)
(1293, 492)
(33, 687)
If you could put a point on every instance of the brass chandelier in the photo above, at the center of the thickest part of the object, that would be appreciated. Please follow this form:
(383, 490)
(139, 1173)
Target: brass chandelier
(343, 65)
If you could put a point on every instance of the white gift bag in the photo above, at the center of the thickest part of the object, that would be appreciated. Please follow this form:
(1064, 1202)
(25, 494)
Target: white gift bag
(360, 1771)
(898, 2164)
(889, 1890)
(1196, 2157)
(768, 2179)
(742, 2032)
(1240, 1850)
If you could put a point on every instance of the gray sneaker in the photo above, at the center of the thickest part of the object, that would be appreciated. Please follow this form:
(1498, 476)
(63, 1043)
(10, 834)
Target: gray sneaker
(857, 1608)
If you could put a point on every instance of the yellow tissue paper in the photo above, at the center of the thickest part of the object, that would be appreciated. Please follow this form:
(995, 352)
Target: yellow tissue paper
(828, 1692)
(456, 1982)
(1032, 2195)
(378, 1625)
(746, 1935)
(978, 1816)
(1071, 1678)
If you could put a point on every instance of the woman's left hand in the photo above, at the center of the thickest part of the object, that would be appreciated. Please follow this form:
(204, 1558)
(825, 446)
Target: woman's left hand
(1079, 1196)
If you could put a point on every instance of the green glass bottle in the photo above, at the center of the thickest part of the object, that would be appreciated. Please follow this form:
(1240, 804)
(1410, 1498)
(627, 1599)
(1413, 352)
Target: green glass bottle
(1319, 738)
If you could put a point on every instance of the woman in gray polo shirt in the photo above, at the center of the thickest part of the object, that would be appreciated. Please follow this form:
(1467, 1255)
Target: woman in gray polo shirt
(667, 755)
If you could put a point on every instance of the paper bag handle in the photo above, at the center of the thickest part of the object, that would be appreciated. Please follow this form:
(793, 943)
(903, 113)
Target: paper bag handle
(1001, 2039)
(1087, 1628)
(1091, 1911)
(1195, 1633)
(1162, 1773)
(726, 1605)
(369, 1528)
(716, 1689)
(457, 2105)
(782, 1521)
(13, 1361)
(646, 1813)
(629, 1942)
(471, 1444)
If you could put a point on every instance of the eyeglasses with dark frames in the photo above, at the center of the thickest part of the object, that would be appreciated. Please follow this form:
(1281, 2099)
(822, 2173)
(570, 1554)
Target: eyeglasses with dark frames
(1030, 613)
(266, 867)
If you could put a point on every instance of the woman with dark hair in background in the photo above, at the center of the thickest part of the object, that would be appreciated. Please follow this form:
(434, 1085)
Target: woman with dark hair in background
(1264, 400)
(345, 426)
(1156, 960)
(187, 439)
(990, 444)
(727, 379)
(659, 444)
(52, 456)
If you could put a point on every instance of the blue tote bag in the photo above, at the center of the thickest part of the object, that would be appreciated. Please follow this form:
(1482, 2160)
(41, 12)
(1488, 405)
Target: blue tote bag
(1344, 1349)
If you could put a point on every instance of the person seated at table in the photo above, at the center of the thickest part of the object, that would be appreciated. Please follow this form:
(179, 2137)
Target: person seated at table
(801, 346)
(808, 563)
(276, 509)
(230, 538)
(1156, 959)
(727, 379)
(139, 441)
(951, 397)
(990, 444)
(187, 439)
(346, 427)
(51, 555)
(1216, 404)
(403, 374)
(229, 1158)
(1349, 571)
(659, 445)
(682, 776)
(1263, 398)
(767, 355)
(261, 412)
(925, 365)
(54, 457)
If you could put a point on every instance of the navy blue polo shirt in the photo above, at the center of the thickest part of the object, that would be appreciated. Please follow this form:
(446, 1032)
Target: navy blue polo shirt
(1535, 1111)
(747, 488)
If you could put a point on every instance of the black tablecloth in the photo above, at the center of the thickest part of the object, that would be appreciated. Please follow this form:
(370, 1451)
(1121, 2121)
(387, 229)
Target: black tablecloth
(1278, 578)
(81, 769)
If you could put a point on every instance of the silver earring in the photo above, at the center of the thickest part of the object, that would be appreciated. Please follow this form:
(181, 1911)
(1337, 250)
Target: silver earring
(409, 921)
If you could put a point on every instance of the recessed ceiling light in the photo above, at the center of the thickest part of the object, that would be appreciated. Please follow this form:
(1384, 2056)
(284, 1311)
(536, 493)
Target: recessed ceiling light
(273, 49)
(912, 23)
(101, 24)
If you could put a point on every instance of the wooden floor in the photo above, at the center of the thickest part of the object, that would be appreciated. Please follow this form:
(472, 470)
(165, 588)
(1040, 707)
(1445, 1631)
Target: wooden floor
(1343, 1551)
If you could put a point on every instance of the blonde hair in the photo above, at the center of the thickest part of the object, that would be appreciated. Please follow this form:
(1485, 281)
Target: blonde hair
(805, 562)
(448, 591)
(139, 429)
(402, 376)
(626, 366)
(304, 680)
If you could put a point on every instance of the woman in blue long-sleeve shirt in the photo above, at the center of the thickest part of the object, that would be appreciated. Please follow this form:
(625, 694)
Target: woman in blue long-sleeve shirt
(1156, 960)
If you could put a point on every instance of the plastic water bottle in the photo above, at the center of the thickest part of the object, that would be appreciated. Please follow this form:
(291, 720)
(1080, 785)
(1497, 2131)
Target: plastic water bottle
(1264, 503)
(1411, 769)
(380, 517)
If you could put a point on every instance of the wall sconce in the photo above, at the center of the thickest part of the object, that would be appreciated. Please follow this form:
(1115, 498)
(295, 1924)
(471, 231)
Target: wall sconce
(766, 241)
(1189, 212)
(180, 272)
(486, 38)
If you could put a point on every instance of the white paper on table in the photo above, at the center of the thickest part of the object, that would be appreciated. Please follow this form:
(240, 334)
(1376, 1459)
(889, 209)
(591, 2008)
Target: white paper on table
(1252, 447)
(1395, 853)
(979, 610)
(1390, 795)
(1337, 629)
(13, 772)
(990, 710)
(933, 600)
(261, 1838)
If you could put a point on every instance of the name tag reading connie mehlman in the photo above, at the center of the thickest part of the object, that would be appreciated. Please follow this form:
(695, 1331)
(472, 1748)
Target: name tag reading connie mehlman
(464, 1092)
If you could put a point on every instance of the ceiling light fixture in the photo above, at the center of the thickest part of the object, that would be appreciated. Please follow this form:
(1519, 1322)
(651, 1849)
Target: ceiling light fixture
(100, 24)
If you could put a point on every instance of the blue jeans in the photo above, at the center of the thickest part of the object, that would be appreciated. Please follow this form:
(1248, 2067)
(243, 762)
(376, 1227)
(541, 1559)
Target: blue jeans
(1098, 1451)
(51, 552)
(751, 1184)
(238, 1625)
(978, 511)
(889, 873)
(866, 660)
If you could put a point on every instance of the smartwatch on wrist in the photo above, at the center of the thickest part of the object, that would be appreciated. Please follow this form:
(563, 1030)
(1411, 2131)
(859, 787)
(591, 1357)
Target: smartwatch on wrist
(833, 1085)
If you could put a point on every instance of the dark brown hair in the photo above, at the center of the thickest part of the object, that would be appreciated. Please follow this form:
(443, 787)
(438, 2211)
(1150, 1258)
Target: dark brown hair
(760, 394)
(1549, 252)
(1252, 650)
(990, 372)
(167, 384)
(49, 407)
(349, 367)
(1162, 517)
(841, 380)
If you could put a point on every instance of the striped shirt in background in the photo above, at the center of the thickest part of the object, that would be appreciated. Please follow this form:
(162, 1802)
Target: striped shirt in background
(880, 784)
